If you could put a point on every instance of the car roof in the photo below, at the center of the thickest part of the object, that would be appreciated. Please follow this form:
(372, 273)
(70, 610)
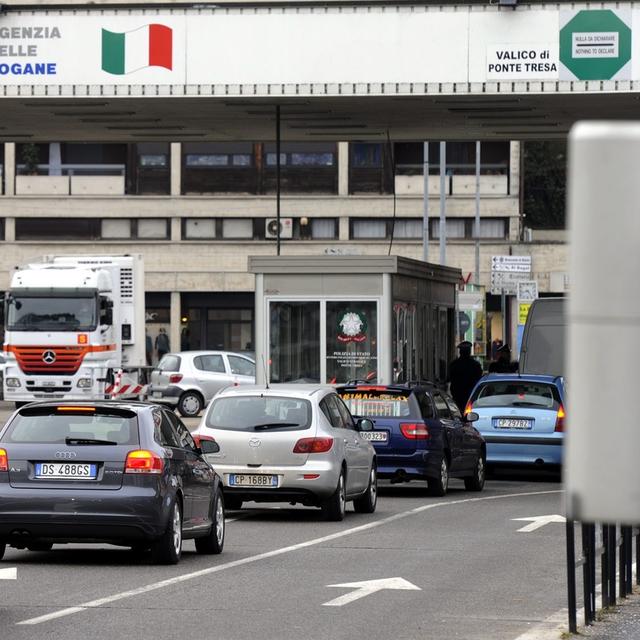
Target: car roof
(410, 386)
(131, 405)
(495, 377)
(296, 390)
(207, 352)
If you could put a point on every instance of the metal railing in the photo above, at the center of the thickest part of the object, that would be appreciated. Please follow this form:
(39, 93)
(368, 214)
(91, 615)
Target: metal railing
(610, 545)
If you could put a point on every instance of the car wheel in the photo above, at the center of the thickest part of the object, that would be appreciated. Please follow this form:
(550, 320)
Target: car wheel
(232, 502)
(476, 481)
(190, 404)
(168, 549)
(40, 546)
(438, 486)
(334, 507)
(366, 503)
(213, 542)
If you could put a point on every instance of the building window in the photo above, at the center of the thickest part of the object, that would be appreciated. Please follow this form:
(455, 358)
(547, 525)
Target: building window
(493, 228)
(324, 228)
(455, 228)
(116, 229)
(366, 155)
(370, 168)
(218, 167)
(463, 228)
(1, 228)
(149, 171)
(368, 229)
(199, 229)
(409, 229)
(239, 228)
(57, 228)
(152, 229)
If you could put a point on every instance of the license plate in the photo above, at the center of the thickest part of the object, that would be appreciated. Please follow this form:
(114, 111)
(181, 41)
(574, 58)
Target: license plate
(513, 423)
(252, 480)
(375, 436)
(157, 394)
(66, 470)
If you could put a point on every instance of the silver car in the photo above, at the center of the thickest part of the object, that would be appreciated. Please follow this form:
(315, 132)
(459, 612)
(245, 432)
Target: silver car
(291, 443)
(189, 379)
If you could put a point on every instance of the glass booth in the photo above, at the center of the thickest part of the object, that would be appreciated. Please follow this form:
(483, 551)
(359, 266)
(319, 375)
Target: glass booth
(331, 319)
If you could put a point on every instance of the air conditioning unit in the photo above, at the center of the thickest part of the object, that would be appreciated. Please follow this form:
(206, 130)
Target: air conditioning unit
(271, 228)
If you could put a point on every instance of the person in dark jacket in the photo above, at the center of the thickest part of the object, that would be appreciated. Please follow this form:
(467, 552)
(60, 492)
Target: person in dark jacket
(464, 372)
(503, 364)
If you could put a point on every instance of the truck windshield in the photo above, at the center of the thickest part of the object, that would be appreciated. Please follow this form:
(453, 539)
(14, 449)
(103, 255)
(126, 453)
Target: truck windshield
(27, 313)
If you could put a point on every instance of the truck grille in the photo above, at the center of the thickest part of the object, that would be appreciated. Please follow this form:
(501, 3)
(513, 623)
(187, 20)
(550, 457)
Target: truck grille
(38, 360)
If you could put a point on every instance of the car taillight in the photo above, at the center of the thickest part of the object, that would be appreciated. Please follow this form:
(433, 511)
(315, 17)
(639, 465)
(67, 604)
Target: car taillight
(142, 461)
(414, 430)
(198, 439)
(4, 460)
(175, 378)
(468, 408)
(560, 419)
(313, 445)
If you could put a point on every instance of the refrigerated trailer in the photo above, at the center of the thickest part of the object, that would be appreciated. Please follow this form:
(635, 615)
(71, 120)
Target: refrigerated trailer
(72, 323)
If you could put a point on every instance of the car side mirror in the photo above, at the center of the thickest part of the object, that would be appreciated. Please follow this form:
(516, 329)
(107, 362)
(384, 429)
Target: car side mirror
(364, 424)
(472, 416)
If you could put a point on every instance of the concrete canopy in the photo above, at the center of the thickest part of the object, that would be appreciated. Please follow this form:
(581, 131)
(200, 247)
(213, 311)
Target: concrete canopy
(353, 72)
(311, 119)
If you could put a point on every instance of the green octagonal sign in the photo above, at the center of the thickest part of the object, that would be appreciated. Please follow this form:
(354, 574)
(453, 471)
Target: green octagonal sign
(595, 45)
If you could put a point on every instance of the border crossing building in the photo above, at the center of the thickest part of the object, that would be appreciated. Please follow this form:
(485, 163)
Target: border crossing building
(152, 129)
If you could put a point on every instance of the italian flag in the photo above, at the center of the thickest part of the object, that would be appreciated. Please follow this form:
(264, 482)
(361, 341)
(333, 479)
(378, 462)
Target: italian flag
(148, 46)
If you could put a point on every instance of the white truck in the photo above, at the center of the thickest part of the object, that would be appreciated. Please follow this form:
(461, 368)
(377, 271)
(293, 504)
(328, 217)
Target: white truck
(71, 323)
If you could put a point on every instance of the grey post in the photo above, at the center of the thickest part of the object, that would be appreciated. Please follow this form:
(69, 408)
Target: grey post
(443, 218)
(476, 230)
(425, 203)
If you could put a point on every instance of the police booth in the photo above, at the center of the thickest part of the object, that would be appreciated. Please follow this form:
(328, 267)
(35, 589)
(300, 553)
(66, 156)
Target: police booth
(331, 319)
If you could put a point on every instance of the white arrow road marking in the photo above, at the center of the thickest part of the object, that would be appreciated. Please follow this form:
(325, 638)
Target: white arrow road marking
(9, 574)
(366, 588)
(538, 521)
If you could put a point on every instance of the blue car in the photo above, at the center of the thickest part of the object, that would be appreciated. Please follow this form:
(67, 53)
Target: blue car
(419, 434)
(521, 418)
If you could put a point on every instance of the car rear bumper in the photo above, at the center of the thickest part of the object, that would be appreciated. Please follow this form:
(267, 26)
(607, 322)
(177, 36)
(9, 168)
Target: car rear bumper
(419, 465)
(165, 395)
(127, 514)
(292, 483)
(530, 449)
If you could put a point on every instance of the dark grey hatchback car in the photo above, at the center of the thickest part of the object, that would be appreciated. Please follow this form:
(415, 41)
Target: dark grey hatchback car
(123, 473)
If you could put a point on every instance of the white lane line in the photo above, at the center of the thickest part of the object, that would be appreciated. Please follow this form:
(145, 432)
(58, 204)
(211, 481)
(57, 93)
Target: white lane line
(92, 604)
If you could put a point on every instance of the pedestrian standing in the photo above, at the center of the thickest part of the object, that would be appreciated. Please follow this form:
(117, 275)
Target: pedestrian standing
(503, 364)
(148, 347)
(162, 343)
(464, 372)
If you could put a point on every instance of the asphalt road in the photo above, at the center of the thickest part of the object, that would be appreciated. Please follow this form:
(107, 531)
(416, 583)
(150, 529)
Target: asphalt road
(472, 575)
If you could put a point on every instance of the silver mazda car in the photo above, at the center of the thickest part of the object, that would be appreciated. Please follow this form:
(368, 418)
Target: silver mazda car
(291, 443)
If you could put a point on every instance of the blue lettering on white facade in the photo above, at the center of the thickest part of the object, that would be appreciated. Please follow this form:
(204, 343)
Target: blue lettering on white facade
(29, 69)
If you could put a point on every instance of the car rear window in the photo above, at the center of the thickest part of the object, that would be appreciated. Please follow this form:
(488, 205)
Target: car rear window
(516, 393)
(245, 413)
(169, 363)
(377, 403)
(51, 426)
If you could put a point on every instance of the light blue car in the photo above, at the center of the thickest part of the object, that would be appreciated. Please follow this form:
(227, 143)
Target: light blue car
(521, 418)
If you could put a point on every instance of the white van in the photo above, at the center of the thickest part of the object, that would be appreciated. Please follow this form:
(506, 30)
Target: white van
(543, 340)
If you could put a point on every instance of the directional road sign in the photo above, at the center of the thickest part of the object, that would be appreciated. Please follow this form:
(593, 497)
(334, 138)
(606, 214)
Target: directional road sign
(514, 264)
(507, 282)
